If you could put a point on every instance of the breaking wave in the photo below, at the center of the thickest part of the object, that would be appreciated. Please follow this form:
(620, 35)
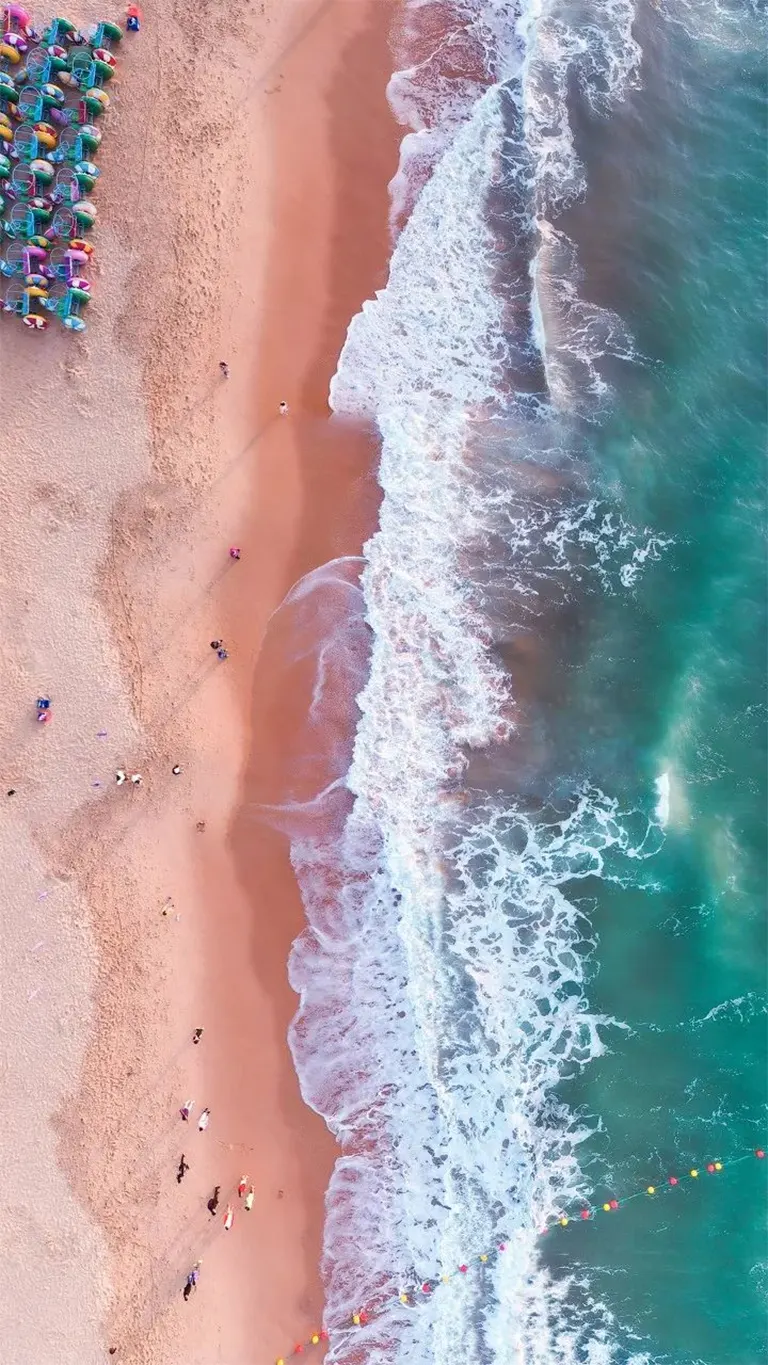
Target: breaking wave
(442, 973)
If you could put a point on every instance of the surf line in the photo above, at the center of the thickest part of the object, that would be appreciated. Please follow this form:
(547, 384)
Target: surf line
(410, 1297)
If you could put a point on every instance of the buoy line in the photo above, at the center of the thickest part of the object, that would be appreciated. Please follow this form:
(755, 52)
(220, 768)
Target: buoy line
(413, 1295)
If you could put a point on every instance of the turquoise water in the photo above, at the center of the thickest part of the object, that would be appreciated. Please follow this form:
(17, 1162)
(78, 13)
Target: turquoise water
(674, 682)
(534, 965)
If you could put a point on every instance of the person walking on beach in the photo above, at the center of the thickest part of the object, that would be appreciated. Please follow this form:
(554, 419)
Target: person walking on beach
(192, 1279)
(234, 552)
(222, 654)
(229, 1218)
(243, 1186)
(249, 1200)
(183, 1168)
(186, 1110)
(213, 1202)
(202, 1122)
(283, 409)
(197, 1035)
(216, 644)
(224, 367)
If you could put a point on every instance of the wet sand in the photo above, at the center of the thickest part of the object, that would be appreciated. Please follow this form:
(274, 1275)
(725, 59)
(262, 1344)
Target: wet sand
(118, 576)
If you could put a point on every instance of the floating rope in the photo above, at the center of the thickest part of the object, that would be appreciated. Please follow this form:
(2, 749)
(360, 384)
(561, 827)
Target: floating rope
(410, 1297)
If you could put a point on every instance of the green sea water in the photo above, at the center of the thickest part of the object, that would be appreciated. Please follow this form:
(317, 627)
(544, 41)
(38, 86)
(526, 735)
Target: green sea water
(673, 683)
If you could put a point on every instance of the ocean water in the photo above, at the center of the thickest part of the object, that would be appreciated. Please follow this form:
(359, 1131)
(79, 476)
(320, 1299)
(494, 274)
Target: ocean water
(533, 974)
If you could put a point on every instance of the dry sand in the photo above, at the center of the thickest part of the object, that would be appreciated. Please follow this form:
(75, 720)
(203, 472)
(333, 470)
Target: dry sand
(242, 217)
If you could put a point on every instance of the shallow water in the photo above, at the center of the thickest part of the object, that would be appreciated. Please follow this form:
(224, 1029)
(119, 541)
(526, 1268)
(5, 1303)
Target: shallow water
(535, 962)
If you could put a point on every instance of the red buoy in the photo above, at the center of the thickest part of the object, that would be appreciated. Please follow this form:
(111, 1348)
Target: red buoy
(585, 1213)
(298, 1349)
(426, 1288)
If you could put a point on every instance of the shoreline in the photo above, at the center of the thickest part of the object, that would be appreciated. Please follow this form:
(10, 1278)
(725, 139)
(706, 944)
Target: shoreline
(160, 575)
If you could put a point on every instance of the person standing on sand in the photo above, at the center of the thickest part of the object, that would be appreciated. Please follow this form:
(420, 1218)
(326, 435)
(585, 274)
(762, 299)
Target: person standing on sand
(192, 1279)
(186, 1110)
(234, 552)
(213, 1202)
(183, 1168)
(243, 1186)
(202, 1122)
(197, 1035)
(283, 409)
(222, 654)
(229, 1218)
(224, 367)
(249, 1200)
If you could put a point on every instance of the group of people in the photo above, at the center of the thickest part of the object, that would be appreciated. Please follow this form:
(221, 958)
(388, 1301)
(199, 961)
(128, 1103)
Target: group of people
(245, 1189)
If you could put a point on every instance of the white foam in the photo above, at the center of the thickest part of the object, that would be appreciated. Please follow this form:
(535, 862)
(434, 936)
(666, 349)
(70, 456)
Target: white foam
(442, 973)
(662, 804)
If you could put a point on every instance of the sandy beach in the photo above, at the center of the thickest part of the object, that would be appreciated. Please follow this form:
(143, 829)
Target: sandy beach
(243, 217)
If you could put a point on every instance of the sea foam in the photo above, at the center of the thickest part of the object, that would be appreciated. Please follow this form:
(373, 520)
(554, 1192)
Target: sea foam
(442, 972)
